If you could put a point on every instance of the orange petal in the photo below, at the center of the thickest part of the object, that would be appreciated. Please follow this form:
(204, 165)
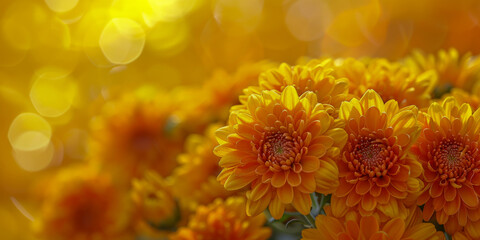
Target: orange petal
(375, 190)
(302, 202)
(317, 150)
(341, 236)
(368, 202)
(384, 196)
(329, 226)
(276, 207)
(403, 139)
(438, 203)
(452, 207)
(352, 229)
(400, 186)
(383, 181)
(379, 236)
(462, 216)
(344, 188)
(397, 194)
(468, 195)
(308, 183)
(353, 199)
(424, 196)
(436, 190)
(279, 179)
(403, 174)
(427, 211)
(394, 228)
(294, 179)
(254, 208)
(285, 194)
(234, 182)
(449, 193)
(259, 191)
(368, 226)
(363, 187)
(310, 163)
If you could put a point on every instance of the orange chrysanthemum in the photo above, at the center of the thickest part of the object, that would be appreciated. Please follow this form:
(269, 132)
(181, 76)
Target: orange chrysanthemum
(82, 204)
(376, 172)
(454, 70)
(134, 134)
(316, 76)
(195, 177)
(223, 220)
(391, 80)
(448, 150)
(283, 147)
(355, 227)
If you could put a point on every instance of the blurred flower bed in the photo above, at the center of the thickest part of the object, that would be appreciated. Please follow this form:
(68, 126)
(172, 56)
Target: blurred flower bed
(239, 119)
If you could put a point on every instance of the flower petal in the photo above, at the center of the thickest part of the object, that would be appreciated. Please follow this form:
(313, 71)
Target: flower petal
(468, 195)
(276, 207)
(285, 194)
(310, 163)
(302, 202)
(289, 97)
(279, 179)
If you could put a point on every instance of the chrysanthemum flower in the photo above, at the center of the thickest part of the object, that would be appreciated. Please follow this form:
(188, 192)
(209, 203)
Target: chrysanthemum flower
(376, 172)
(154, 200)
(369, 228)
(391, 80)
(282, 147)
(454, 70)
(315, 76)
(448, 151)
(195, 177)
(134, 134)
(82, 204)
(223, 220)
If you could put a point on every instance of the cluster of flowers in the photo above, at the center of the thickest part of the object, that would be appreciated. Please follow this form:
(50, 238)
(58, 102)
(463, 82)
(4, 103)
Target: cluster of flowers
(352, 148)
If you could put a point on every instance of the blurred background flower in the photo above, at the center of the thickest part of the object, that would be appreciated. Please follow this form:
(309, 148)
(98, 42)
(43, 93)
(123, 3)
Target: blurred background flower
(124, 86)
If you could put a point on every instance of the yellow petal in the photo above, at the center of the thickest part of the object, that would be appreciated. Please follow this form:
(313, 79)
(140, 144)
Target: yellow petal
(276, 207)
(289, 97)
(371, 99)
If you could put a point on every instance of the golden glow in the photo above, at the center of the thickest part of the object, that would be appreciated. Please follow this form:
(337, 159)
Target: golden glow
(122, 40)
(29, 132)
(61, 5)
(52, 94)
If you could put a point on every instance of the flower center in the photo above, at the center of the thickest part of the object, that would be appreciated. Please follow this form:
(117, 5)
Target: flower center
(279, 150)
(368, 156)
(453, 159)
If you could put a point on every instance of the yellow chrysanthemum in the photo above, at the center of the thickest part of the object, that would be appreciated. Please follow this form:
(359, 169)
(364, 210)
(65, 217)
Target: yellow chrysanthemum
(376, 172)
(454, 70)
(391, 80)
(195, 177)
(448, 150)
(282, 146)
(134, 134)
(355, 227)
(315, 76)
(224, 220)
(82, 204)
(154, 200)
